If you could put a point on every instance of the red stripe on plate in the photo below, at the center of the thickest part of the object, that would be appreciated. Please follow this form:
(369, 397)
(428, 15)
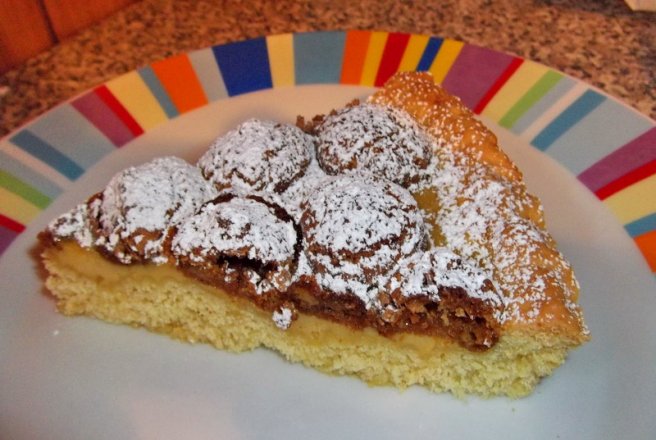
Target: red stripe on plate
(392, 55)
(92, 107)
(627, 180)
(115, 105)
(505, 76)
(10, 224)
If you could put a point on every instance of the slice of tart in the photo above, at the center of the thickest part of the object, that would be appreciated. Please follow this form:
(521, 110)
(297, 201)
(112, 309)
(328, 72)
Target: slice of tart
(391, 240)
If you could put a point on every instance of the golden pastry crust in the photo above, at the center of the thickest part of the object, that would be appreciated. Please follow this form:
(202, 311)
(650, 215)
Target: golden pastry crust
(446, 118)
(536, 281)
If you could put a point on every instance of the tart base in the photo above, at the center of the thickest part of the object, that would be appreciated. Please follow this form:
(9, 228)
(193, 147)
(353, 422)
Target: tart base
(164, 300)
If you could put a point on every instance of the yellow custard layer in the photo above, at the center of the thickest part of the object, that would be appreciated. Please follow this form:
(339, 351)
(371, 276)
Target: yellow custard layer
(163, 300)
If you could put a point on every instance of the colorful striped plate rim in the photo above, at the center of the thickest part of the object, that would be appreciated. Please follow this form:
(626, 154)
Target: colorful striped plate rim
(607, 145)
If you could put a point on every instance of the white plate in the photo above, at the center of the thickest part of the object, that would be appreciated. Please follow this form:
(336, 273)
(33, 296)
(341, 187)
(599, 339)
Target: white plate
(78, 378)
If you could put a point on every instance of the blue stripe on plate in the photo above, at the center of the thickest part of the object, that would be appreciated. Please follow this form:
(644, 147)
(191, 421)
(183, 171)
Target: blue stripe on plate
(73, 135)
(431, 50)
(606, 128)
(567, 119)
(244, 66)
(318, 57)
(563, 86)
(154, 84)
(26, 174)
(45, 152)
(641, 226)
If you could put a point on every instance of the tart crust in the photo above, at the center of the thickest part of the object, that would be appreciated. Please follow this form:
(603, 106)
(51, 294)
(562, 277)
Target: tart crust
(85, 283)
(527, 311)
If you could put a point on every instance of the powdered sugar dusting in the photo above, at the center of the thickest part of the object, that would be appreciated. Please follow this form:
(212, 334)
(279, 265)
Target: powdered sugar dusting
(424, 273)
(140, 203)
(482, 219)
(379, 139)
(362, 234)
(240, 235)
(443, 268)
(240, 227)
(73, 225)
(356, 227)
(299, 190)
(485, 214)
(257, 156)
(282, 318)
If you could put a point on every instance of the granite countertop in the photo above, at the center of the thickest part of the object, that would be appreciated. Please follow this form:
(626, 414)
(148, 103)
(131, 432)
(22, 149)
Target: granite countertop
(601, 42)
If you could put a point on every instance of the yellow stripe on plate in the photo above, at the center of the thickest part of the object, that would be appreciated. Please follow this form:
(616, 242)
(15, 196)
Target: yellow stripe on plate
(17, 208)
(449, 51)
(137, 99)
(413, 52)
(634, 202)
(514, 89)
(281, 59)
(372, 60)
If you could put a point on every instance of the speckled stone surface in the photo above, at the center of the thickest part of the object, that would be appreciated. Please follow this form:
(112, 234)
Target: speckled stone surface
(601, 42)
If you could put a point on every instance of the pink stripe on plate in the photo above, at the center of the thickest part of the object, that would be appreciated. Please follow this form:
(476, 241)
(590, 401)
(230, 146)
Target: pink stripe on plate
(475, 72)
(636, 153)
(103, 118)
(6, 237)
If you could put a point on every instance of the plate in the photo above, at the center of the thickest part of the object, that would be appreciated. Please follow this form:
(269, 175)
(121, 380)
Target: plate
(587, 156)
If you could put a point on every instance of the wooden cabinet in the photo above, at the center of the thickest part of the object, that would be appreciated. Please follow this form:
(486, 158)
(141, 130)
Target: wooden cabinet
(69, 16)
(28, 27)
(24, 31)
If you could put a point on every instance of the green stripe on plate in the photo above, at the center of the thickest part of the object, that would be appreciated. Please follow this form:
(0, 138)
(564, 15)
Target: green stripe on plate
(535, 93)
(23, 190)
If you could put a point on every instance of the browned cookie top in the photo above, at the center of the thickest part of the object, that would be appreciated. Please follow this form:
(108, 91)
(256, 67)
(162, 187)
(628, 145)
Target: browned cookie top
(240, 233)
(257, 156)
(356, 228)
(375, 138)
(131, 217)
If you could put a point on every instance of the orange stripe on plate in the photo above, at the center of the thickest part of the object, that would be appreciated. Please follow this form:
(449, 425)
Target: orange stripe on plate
(647, 245)
(179, 79)
(355, 52)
